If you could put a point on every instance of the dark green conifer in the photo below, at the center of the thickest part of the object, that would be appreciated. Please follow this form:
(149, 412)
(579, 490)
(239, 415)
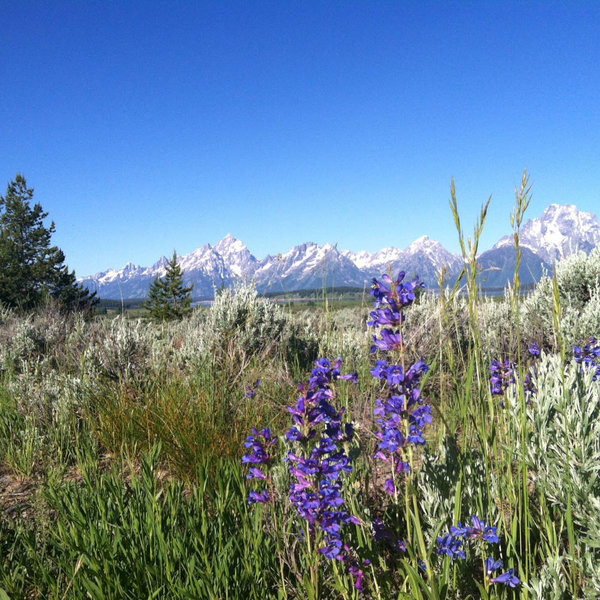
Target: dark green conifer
(30, 268)
(168, 298)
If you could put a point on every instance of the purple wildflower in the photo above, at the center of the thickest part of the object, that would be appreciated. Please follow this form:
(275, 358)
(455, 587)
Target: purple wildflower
(385, 316)
(451, 546)
(383, 534)
(318, 464)
(358, 575)
(509, 579)
(390, 487)
(401, 413)
(480, 530)
(393, 295)
(492, 565)
(589, 356)
(459, 530)
(256, 473)
(260, 444)
(393, 291)
(390, 340)
(258, 497)
(502, 375)
(251, 389)
(529, 385)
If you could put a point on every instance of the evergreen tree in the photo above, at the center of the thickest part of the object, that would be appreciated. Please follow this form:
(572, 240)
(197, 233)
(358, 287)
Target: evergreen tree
(30, 268)
(156, 301)
(168, 298)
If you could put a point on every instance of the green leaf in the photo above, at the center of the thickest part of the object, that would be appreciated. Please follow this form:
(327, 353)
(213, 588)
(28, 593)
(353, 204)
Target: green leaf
(482, 591)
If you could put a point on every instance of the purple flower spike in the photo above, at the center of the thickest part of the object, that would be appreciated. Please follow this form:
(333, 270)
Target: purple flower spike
(502, 375)
(401, 414)
(260, 444)
(318, 461)
(403, 404)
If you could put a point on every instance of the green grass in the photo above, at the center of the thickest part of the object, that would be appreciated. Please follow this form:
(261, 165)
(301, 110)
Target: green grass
(127, 534)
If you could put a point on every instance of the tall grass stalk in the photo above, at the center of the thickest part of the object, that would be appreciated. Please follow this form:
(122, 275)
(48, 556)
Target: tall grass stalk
(523, 199)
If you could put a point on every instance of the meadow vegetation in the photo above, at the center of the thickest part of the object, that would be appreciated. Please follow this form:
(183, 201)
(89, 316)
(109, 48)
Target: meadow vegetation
(121, 445)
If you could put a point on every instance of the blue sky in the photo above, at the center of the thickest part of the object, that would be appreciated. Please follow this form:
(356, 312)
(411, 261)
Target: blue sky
(151, 126)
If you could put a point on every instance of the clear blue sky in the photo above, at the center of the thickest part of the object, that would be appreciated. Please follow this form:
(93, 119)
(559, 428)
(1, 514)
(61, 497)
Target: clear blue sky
(151, 126)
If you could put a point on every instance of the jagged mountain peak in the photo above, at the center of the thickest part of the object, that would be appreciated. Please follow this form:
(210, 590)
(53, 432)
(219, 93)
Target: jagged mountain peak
(198, 252)
(130, 267)
(228, 238)
(230, 243)
(423, 243)
(161, 262)
(561, 230)
(421, 240)
(554, 209)
(237, 256)
(565, 214)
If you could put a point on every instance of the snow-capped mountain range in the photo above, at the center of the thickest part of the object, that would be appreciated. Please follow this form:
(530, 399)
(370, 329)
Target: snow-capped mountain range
(561, 230)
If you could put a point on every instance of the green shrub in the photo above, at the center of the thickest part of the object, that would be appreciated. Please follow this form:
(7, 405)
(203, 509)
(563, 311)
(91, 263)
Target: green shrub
(562, 451)
(578, 279)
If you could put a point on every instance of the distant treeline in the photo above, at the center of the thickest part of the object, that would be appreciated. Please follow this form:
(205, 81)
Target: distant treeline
(119, 304)
(343, 292)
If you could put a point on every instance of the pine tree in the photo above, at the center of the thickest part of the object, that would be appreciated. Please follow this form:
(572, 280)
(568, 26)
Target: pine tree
(168, 298)
(30, 268)
(156, 302)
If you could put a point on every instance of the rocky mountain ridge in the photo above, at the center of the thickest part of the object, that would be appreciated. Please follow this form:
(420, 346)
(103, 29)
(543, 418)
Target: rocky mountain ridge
(561, 230)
